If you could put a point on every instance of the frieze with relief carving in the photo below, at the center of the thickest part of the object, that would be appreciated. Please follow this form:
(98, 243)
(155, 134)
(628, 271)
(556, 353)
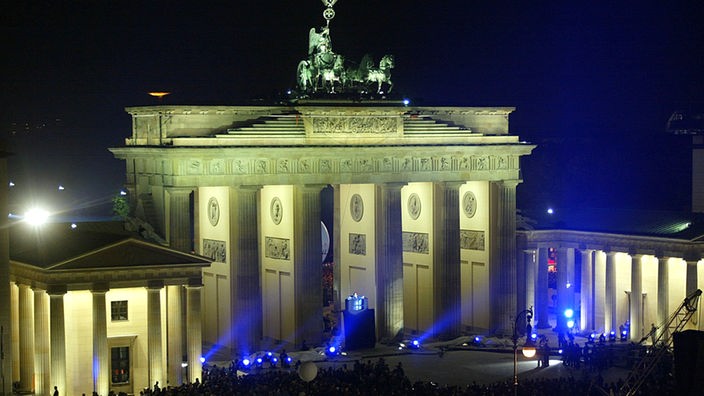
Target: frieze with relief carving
(215, 250)
(355, 125)
(416, 242)
(471, 240)
(245, 166)
(277, 248)
(358, 244)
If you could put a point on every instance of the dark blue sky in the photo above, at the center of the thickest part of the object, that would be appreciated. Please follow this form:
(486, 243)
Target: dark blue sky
(593, 84)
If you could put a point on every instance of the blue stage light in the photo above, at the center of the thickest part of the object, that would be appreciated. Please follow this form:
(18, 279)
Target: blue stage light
(332, 349)
(533, 336)
(246, 362)
(569, 312)
(406, 102)
(202, 359)
(570, 324)
(259, 360)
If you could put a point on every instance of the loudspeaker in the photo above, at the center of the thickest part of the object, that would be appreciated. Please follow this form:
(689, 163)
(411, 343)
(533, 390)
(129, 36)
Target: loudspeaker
(360, 329)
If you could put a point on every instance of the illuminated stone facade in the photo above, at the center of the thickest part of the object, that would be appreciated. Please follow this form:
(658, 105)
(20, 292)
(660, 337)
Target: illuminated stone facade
(252, 177)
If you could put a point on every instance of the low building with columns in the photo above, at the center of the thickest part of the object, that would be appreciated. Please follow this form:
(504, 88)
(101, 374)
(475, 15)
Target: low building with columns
(424, 212)
(639, 270)
(94, 310)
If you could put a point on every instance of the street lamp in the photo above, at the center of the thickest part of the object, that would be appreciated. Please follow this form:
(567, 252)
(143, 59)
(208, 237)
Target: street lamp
(528, 348)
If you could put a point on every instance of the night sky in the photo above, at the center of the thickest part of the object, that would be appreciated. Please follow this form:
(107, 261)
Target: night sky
(593, 85)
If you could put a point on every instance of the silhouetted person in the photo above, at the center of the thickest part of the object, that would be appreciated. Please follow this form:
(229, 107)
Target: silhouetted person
(56, 392)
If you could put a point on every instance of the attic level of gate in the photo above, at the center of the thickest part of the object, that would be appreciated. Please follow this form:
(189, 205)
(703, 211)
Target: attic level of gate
(184, 125)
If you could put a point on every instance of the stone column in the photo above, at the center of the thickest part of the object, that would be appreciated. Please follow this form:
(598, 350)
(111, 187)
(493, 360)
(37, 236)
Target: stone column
(15, 331)
(446, 261)
(154, 351)
(337, 250)
(610, 308)
(636, 308)
(530, 279)
(194, 337)
(58, 338)
(521, 280)
(541, 290)
(42, 357)
(389, 260)
(101, 368)
(586, 294)
(565, 286)
(663, 292)
(174, 338)
(180, 219)
(502, 270)
(245, 292)
(691, 275)
(26, 309)
(5, 293)
(307, 272)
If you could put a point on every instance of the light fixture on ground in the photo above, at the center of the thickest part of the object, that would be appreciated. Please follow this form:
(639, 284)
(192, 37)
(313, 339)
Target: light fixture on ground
(529, 347)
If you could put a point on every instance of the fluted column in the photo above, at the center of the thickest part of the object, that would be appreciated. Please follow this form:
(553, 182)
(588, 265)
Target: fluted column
(586, 294)
(502, 272)
(531, 266)
(180, 219)
(610, 308)
(5, 293)
(599, 277)
(194, 337)
(337, 249)
(26, 309)
(663, 292)
(446, 261)
(58, 338)
(15, 331)
(245, 292)
(307, 270)
(174, 336)
(636, 317)
(691, 275)
(389, 260)
(42, 358)
(541, 290)
(154, 351)
(565, 285)
(101, 370)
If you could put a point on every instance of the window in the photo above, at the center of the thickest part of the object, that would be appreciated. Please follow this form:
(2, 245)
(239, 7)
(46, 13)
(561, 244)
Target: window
(120, 364)
(118, 310)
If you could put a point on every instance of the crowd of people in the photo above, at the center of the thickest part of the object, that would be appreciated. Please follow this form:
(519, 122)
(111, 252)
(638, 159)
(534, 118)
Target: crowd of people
(378, 378)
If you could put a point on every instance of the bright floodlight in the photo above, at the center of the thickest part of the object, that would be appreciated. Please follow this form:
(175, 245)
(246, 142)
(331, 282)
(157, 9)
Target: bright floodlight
(36, 216)
(202, 359)
(569, 313)
(406, 102)
(570, 323)
(550, 211)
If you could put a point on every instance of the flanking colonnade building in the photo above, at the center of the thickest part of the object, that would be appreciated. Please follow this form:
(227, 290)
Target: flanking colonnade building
(610, 278)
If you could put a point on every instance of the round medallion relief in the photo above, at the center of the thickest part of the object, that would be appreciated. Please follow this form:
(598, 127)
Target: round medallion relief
(469, 204)
(414, 206)
(276, 210)
(356, 207)
(213, 211)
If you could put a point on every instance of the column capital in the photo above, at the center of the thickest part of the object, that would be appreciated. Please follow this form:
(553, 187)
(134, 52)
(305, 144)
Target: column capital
(56, 290)
(179, 190)
(195, 282)
(513, 183)
(398, 185)
(155, 284)
(99, 287)
(248, 187)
